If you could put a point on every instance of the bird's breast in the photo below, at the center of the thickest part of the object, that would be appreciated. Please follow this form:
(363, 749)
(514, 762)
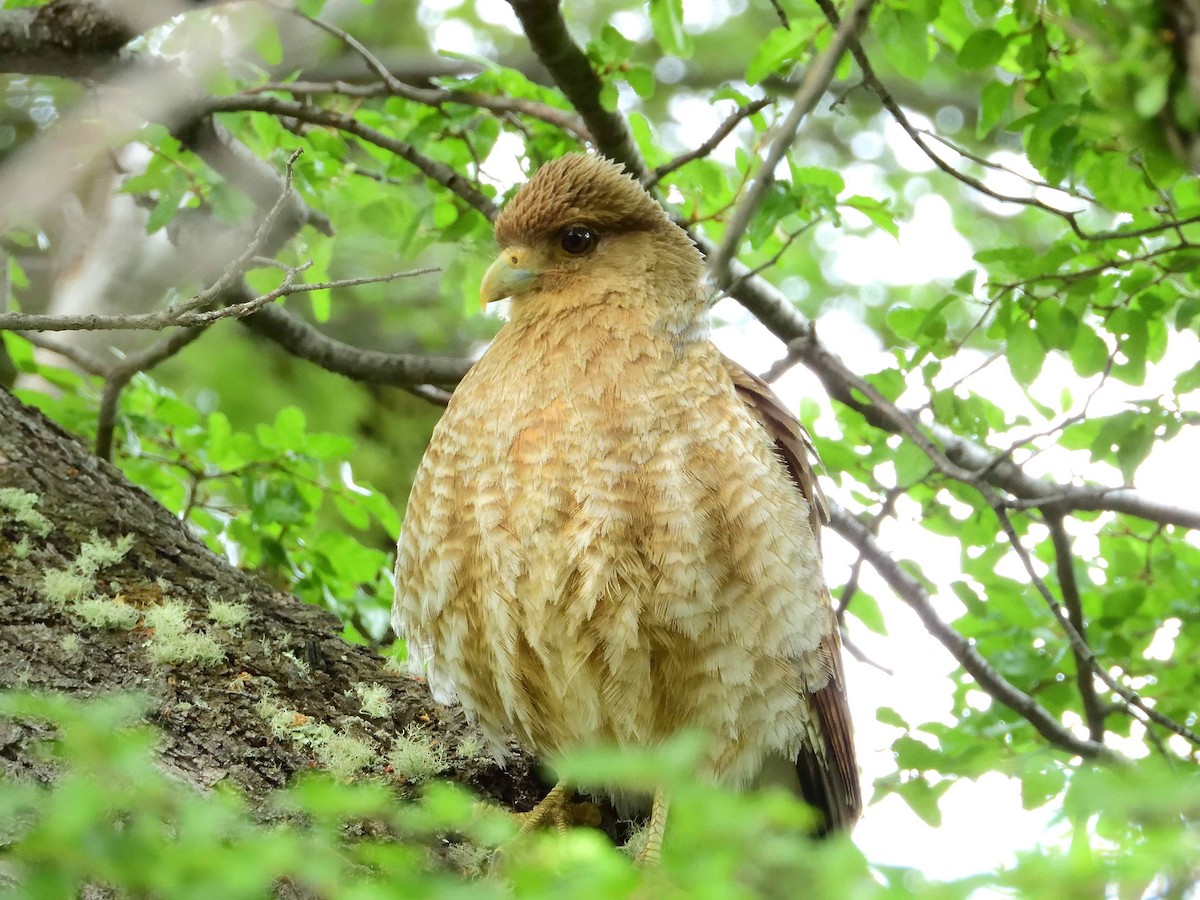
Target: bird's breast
(599, 538)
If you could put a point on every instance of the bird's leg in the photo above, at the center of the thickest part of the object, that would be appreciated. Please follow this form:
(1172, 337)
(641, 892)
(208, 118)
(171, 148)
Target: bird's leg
(652, 851)
(553, 808)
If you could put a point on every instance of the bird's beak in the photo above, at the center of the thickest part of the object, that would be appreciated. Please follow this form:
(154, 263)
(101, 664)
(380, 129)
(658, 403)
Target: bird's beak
(506, 277)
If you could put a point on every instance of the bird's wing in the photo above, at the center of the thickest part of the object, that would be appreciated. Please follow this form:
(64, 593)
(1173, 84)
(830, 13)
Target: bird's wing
(828, 773)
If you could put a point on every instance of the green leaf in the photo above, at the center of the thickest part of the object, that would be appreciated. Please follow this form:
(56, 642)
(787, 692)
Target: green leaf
(1188, 381)
(16, 274)
(866, 609)
(912, 464)
(875, 210)
(267, 43)
(1089, 354)
(310, 7)
(922, 798)
(609, 96)
(819, 177)
(1151, 96)
(289, 427)
(167, 205)
(781, 47)
(615, 45)
(905, 41)
(1121, 603)
(1025, 354)
(1188, 310)
(666, 18)
(641, 79)
(995, 104)
(982, 49)
(1040, 785)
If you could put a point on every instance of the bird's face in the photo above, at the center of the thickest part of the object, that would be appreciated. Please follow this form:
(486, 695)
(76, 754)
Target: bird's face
(579, 227)
(555, 260)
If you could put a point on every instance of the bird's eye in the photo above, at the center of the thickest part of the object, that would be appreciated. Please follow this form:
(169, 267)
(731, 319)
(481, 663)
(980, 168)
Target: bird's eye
(579, 239)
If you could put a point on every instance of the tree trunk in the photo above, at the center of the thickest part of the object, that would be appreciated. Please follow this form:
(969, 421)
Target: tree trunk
(210, 712)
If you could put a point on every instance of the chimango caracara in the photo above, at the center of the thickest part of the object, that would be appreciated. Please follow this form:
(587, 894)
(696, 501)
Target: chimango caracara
(613, 535)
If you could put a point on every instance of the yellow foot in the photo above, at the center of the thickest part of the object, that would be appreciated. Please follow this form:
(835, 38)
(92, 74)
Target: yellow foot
(552, 810)
(650, 854)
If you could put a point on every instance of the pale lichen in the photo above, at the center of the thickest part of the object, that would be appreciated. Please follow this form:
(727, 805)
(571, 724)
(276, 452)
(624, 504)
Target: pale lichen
(98, 553)
(280, 720)
(337, 751)
(341, 753)
(78, 579)
(196, 648)
(417, 756)
(301, 666)
(470, 860)
(19, 507)
(63, 586)
(101, 612)
(70, 645)
(637, 840)
(168, 618)
(473, 747)
(228, 614)
(173, 641)
(375, 699)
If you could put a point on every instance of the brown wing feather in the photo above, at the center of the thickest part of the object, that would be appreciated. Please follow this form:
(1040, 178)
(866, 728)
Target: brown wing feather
(828, 774)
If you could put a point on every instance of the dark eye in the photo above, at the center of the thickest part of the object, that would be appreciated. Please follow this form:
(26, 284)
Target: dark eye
(579, 239)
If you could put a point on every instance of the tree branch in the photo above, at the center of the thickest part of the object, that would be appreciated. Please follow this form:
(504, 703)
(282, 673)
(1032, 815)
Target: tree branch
(547, 32)
(1080, 646)
(911, 591)
(180, 314)
(437, 98)
(1093, 710)
(120, 375)
(303, 340)
(812, 88)
(390, 85)
(723, 131)
(435, 171)
(877, 87)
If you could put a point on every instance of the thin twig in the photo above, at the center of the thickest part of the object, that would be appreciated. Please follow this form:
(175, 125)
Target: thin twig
(812, 88)
(437, 98)
(1093, 711)
(239, 265)
(777, 255)
(872, 81)
(997, 167)
(887, 508)
(913, 593)
(1079, 645)
(84, 359)
(121, 374)
(854, 650)
(723, 131)
(438, 172)
(544, 26)
(175, 316)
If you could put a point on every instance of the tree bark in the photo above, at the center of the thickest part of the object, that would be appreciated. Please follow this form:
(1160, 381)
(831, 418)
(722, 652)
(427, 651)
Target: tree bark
(209, 718)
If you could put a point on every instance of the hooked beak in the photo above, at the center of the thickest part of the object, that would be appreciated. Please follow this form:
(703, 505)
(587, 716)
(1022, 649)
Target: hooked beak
(506, 277)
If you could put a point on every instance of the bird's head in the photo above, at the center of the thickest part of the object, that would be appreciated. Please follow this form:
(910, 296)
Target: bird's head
(582, 228)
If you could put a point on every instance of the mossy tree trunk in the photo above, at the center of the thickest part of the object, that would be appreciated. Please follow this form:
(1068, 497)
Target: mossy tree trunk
(72, 620)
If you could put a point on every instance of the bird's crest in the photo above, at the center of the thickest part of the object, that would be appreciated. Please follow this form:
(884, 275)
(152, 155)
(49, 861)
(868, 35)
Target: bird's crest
(578, 189)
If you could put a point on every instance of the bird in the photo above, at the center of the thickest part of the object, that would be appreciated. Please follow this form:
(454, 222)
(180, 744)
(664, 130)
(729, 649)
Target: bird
(614, 532)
